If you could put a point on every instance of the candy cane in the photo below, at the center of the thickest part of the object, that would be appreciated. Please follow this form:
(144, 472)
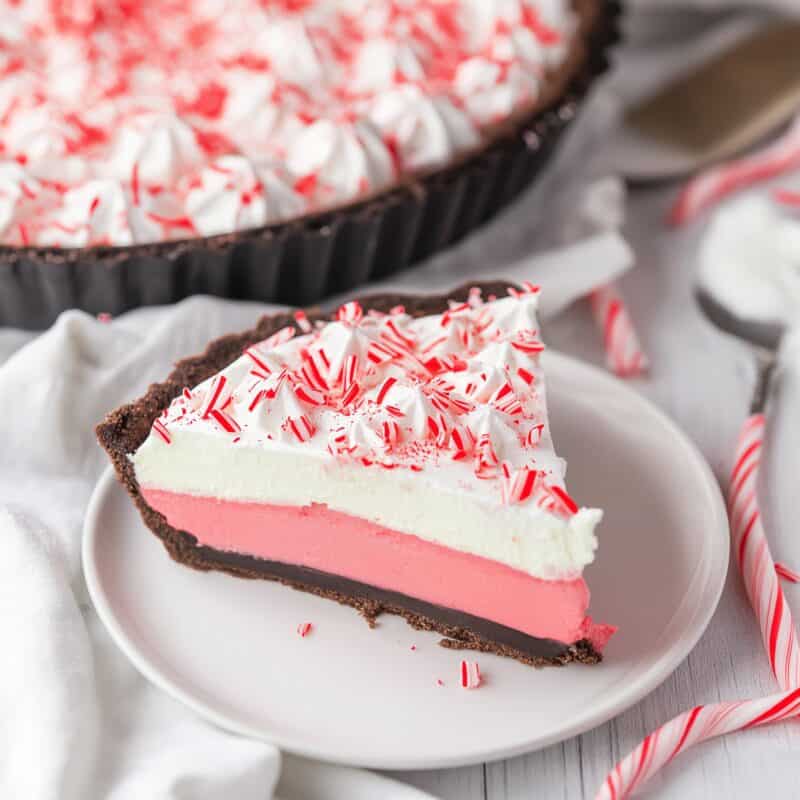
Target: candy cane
(624, 354)
(787, 573)
(690, 728)
(752, 553)
(716, 183)
(762, 581)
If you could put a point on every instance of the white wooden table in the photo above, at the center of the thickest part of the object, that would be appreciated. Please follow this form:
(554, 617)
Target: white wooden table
(703, 380)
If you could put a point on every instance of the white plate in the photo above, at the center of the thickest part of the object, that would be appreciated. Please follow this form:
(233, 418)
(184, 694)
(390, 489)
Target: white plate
(228, 648)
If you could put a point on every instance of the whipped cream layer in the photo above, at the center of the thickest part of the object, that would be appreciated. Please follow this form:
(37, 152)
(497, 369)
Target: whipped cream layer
(146, 121)
(749, 258)
(435, 427)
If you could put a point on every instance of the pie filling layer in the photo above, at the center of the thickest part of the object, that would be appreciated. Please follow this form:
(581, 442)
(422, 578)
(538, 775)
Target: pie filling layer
(357, 550)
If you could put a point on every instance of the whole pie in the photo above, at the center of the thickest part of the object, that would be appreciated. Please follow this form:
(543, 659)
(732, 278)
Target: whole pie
(137, 121)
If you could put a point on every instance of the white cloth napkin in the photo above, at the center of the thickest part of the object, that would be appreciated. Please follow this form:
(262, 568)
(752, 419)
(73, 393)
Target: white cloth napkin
(76, 721)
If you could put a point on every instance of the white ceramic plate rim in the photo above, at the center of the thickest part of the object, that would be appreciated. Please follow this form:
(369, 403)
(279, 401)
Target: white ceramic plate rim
(599, 713)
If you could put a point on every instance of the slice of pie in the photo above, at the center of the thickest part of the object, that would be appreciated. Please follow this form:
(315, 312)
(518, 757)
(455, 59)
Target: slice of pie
(396, 458)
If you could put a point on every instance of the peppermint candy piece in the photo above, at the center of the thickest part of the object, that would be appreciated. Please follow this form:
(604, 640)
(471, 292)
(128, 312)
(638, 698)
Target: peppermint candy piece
(470, 675)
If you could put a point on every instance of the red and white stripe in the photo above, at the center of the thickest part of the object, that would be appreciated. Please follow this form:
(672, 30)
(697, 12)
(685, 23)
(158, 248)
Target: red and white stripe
(505, 399)
(217, 396)
(303, 629)
(280, 337)
(225, 421)
(762, 581)
(444, 398)
(786, 573)
(438, 429)
(384, 351)
(351, 313)
(390, 433)
(462, 440)
(470, 675)
(384, 390)
(258, 358)
(349, 371)
(257, 396)
(392, 333)
(690, 728)
(350, 386)
(486, 460)
(755, 560)
(308, 395)
(556, 500)
(527, 342)
(526, 376)
(714, 184)
(624, 354)
(160, 429)
(517, 485)
(302, 321)
(302, 427)
(312, 369)
(534, 436)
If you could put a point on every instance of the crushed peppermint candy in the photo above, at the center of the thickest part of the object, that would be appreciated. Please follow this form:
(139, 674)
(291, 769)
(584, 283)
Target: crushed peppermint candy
(160, 429)
(460, 391)
(470, 675)
(302, 321)
(153, 121)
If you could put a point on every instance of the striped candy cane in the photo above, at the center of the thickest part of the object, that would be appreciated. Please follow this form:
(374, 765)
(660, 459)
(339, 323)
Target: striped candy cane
(717, 182)
(761, 578)
(624, 354)
(762, 581)
(690, 728)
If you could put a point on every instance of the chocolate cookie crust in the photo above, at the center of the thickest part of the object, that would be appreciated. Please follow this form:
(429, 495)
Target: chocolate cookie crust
(124, 430)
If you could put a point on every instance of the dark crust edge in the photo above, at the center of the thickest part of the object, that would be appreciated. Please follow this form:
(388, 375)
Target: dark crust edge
(126, 428)
(598, 31)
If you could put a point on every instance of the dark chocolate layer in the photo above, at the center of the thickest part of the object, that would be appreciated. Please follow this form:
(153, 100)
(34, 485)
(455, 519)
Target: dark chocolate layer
(124, 430)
